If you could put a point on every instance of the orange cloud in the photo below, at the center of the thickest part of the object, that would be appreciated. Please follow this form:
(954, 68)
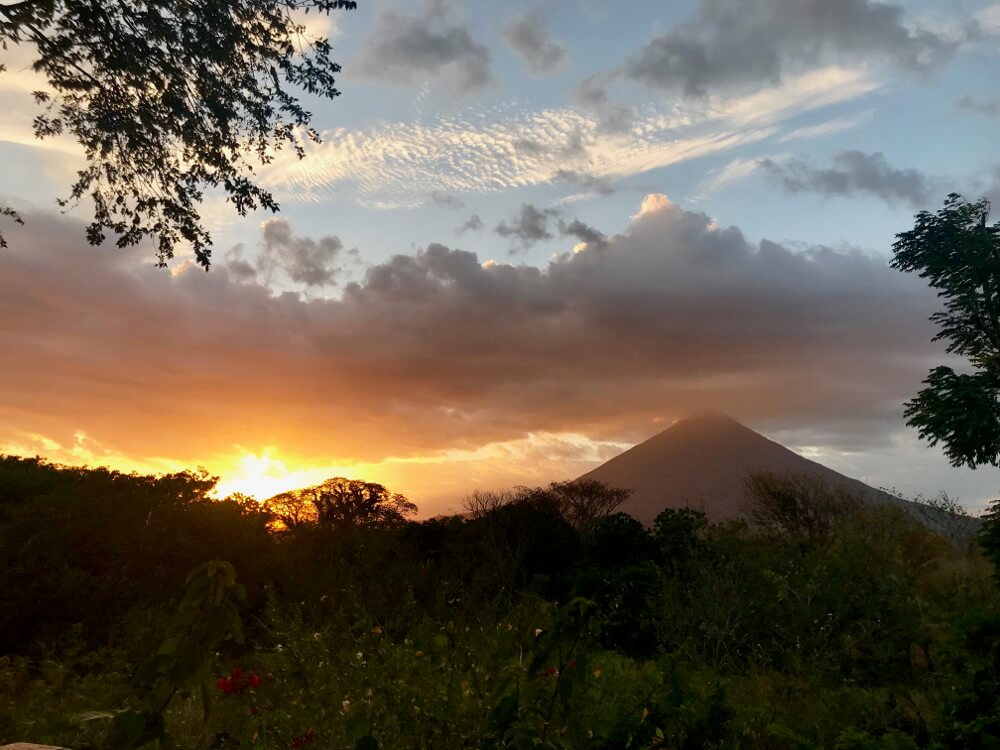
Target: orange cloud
(428, 371)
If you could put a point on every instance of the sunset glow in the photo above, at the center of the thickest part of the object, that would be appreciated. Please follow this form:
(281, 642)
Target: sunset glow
(498, 259)
(263, 475)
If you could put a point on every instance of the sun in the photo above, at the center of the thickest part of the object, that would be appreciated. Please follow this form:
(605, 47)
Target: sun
(262, 475)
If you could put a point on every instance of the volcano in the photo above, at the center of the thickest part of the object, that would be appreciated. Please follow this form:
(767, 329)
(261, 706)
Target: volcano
(703, 462)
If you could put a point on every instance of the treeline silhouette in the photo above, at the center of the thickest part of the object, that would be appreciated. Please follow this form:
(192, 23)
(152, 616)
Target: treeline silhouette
(817, 622)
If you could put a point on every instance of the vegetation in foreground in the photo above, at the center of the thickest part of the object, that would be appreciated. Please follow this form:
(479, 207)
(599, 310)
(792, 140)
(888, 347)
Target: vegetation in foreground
(543, 618)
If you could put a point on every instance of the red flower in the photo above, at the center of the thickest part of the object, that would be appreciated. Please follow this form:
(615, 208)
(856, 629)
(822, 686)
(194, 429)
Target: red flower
(237, 682)
(551, 671)
(304, 739)
(253, 710)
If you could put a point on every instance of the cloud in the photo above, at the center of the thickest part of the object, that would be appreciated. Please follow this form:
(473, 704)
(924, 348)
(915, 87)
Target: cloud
(447, 200)
(853, 172)
(301, 260)
(746, 45)
(736, 170)
(530, 226)
(438, 351)
(592, 94)
(530, 41)
(572, 147)
(987, 107)
(824, 129)
(587, 182)
(473, 224)
(399, 164)
(583, 232)
(987, 20)
(407, 50)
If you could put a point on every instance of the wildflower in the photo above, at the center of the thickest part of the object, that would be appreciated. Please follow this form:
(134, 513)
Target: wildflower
(360, 656)
(538, 632)
(377, 630)
(304, 739)
(551, 671)
(345, 703)
(317, 636)
(237, 682)
(253, 710)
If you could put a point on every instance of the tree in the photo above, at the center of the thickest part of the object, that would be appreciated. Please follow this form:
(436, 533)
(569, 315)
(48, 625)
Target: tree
(341, 503)
(585, 502)
(797, 505)
(292, 509)
(958, 253)
(170, 98)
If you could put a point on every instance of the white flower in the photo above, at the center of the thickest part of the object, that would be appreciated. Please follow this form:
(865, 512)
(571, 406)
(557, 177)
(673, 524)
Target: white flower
(345, 703)
(317, 636)
(360, 656)
(538, 632)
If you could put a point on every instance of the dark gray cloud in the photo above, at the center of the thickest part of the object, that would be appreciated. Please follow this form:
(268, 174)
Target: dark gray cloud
(585, 181)
(592, 94)
(751, 43)
(583, 232)
(438, 349)
(530, 41)
(447, 200)
(854, 172)
(301, 260)
(473, 224)
(531, 225)
(406, 50)
(237, 264)
(988, 107)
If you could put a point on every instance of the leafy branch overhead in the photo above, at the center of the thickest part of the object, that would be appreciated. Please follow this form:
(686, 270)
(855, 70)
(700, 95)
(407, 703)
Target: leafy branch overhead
(958, 252)
(170, 98)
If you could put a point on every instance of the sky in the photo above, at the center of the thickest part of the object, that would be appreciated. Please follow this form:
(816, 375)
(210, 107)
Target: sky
(534, 235)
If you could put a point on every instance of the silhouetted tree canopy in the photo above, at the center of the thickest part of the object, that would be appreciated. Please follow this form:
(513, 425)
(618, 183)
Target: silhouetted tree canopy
(581, 502)
(341, 504)
(958, 253)
(171, 98)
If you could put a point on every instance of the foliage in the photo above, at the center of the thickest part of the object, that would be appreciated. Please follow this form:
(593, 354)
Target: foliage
(797, 505)
(958, 252)
(581, 502)
(341, 504)
(168, 99)
(207, 616)
(508, 629)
